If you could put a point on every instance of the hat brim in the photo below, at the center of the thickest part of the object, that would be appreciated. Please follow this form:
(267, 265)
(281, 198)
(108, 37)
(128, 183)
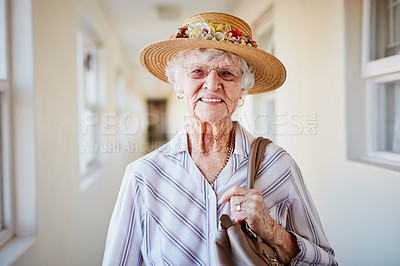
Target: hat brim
(269, 72)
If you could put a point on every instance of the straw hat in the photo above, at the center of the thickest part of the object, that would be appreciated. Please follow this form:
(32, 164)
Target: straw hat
(216, 31)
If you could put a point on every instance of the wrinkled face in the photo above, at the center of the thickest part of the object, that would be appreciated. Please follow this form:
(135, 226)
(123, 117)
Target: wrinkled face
(213, 97)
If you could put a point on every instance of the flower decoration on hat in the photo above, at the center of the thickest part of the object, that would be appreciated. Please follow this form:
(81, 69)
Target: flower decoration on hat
(207, 30)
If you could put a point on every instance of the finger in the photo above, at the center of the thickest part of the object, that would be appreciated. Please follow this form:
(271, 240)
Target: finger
(236, 200)
(234, 191)
(239, 216)
(245, 206)
(238, 207)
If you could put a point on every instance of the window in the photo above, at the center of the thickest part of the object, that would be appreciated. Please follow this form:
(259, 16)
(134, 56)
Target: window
(6, 228)
(385, 29)
(120, 89)
(388, 108)
(3, 41)
(92, 98)
(17, 157)
(384, 117)
(381, 71)
(120, 105)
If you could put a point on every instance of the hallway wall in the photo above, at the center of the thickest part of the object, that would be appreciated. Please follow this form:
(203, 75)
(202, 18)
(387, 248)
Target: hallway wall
(72, 221)
(357, 202)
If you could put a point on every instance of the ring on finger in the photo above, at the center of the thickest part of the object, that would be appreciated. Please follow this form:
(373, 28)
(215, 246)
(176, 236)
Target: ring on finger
(239, 207)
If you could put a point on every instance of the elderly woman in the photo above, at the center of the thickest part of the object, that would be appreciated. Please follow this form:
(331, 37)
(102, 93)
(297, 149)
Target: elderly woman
(170, 200)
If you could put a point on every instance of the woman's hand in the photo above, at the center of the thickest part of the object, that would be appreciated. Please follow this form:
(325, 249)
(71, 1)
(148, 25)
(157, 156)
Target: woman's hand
(248, 205)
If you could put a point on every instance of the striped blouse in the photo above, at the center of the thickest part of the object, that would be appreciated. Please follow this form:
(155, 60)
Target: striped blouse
(167, 213)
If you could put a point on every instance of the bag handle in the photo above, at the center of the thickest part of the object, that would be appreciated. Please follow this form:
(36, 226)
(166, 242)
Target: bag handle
(257, 152)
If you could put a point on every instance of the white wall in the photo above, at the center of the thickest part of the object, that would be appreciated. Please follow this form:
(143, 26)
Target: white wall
(71, 223)
(358, 203)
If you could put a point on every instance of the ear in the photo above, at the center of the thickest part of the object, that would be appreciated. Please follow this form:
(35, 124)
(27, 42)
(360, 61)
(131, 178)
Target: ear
(178, 87)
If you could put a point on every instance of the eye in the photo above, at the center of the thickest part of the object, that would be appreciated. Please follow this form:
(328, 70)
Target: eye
(227, 73)
(197, 71)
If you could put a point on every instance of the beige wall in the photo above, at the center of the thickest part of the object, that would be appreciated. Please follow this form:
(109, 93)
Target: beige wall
(357, 202)
(71, 223)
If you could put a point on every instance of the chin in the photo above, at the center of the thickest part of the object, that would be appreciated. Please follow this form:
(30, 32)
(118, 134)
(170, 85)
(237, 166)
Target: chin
(207, 116)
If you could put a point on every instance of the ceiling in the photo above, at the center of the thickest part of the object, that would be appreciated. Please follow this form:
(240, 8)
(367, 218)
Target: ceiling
(138, 23)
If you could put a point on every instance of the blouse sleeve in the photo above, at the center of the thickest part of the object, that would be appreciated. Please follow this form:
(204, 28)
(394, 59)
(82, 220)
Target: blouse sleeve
(124, 236)
(304, 224)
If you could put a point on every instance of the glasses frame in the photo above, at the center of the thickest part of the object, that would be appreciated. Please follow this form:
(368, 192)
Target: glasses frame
(206, 70)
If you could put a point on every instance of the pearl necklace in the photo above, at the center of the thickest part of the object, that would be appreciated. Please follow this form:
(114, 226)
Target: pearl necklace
(228, 155)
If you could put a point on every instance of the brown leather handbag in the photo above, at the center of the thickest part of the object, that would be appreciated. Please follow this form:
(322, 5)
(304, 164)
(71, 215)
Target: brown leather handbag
(239, 245)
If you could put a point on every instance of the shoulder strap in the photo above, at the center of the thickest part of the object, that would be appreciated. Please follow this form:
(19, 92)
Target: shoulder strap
(257, 152)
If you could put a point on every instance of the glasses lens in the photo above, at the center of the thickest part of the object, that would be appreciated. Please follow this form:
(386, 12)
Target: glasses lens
(197, 71)
(201, 71)
(228, 73)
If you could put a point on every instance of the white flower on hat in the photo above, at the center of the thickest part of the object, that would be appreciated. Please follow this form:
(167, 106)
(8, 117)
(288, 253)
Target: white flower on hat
(195, 29)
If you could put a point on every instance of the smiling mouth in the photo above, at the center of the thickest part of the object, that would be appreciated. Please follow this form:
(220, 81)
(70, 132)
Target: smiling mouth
(211, 100)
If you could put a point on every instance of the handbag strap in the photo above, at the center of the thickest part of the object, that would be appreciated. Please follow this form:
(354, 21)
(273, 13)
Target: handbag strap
(257, 152)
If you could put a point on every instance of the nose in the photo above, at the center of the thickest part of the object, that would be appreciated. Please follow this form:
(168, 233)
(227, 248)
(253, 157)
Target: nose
(212, 82)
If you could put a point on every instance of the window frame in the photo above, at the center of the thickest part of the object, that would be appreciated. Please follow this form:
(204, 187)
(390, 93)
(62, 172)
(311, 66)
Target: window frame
(20, 123)
(120, 104)
(4, 37)
(372, 122)
(374, 72)
(7, 225)
(86, 32)
(373, 68)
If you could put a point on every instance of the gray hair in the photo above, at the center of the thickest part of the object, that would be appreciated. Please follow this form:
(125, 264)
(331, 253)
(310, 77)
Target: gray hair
(174, 69)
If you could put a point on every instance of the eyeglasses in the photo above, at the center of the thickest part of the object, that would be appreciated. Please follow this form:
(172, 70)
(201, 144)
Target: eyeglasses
(228, 73)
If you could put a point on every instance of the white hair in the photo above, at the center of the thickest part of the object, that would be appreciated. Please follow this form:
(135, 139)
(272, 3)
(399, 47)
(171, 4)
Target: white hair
(174, 69)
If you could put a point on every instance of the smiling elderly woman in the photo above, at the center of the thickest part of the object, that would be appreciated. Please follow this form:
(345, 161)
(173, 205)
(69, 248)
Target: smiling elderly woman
(170, 200)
